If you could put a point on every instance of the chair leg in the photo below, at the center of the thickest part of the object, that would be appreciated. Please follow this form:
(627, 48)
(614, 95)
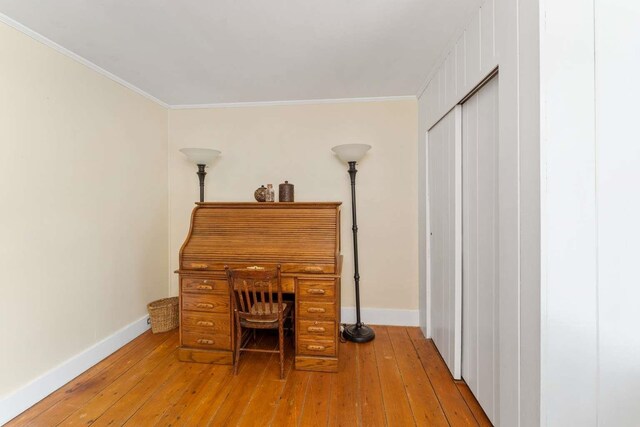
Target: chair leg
(293, 322)
(238, 343)
(281, 347)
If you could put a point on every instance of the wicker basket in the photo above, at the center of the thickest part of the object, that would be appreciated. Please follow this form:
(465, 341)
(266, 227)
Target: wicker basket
(163, 314)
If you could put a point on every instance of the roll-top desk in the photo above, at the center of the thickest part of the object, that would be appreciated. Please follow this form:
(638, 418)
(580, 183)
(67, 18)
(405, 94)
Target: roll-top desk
(304, 238)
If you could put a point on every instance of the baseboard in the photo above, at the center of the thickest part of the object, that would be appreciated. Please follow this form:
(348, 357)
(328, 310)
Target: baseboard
(381, 316)
(18, 401)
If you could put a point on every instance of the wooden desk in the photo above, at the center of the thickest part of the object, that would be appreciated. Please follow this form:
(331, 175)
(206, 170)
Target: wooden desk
(304, 238)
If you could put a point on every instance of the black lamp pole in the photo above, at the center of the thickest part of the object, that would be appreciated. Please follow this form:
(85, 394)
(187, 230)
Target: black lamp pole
(201, 174)
(359, 332)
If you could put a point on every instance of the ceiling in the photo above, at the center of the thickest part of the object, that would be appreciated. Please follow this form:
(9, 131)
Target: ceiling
(226, 51)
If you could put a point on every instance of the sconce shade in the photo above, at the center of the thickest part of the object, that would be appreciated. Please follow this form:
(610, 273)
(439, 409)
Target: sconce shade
(351, 152)
(200, 156)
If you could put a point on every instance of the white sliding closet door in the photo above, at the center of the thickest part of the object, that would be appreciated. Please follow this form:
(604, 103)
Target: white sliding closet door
(480, 246)
(445, 265)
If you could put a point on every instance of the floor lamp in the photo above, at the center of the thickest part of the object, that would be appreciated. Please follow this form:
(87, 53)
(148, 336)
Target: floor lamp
(202, 157)
(352, 153)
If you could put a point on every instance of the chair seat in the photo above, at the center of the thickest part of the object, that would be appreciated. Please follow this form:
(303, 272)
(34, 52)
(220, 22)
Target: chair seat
(263, 314)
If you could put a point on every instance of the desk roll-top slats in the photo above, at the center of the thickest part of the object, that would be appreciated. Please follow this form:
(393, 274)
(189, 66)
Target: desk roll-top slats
(304, 238)
(296, 237)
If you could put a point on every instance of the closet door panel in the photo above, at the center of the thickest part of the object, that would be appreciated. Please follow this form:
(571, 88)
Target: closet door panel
(480, 246)
(470, 242)
(445, 310)
(488, 236)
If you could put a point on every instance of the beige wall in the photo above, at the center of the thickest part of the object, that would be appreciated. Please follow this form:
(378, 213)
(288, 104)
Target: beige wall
(269, 144)
(83, 207)
(87, 217)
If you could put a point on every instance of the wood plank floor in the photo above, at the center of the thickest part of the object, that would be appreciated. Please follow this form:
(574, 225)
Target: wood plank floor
(399, 379)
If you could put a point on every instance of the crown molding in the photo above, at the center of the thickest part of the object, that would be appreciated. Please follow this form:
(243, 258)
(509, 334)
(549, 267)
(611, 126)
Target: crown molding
(50, 43)
(293, 102)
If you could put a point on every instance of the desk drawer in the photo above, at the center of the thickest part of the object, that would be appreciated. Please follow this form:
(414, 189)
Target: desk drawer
(308, 268)
(316, 289)
(316, 347)
(316, 310)
(202, 285)
(315, 329)
(196, 339)
(206, 322)
(209, 303)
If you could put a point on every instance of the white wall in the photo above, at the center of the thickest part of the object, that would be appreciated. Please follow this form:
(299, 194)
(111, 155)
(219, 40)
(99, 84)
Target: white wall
(617, 44)
(590, 87)
(270, 144)
(502, 33)
(569, 294)
(83, 218)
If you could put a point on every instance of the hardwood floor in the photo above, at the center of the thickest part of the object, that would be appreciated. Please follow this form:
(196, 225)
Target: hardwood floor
(399, 379)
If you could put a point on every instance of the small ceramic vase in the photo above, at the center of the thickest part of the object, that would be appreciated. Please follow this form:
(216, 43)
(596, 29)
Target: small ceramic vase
(261, 194)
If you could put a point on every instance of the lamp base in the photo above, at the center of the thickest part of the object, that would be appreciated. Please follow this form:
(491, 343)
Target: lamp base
(359, 334)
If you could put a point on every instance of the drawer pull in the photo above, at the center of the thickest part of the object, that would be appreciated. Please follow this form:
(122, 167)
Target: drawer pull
(203, 341)
(199, 266)
(315, 347)
(204, 305)
(311, 269)
(316, 310)
(315, 329)
(209, 287)
(204, 323)
(316, 291)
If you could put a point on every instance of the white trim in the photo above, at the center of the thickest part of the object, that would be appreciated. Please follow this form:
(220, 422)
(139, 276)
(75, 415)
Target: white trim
(428, 331)
(50, 43)
(17, 402)
(457, 343)
(430, 76)
(382, 316)
(294, 102)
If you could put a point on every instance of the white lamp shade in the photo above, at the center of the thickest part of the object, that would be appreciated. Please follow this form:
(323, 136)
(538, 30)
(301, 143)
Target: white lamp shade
(351, 152)
(200, 156)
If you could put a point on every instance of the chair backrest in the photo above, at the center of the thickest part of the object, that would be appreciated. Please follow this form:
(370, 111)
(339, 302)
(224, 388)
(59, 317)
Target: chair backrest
(252, 290)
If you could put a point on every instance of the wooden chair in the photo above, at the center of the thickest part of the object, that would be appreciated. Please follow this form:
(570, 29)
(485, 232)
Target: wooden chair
(252, 292)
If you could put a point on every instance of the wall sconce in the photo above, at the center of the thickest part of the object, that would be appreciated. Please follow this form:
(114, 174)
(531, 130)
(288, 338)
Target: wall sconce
(201, 157)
